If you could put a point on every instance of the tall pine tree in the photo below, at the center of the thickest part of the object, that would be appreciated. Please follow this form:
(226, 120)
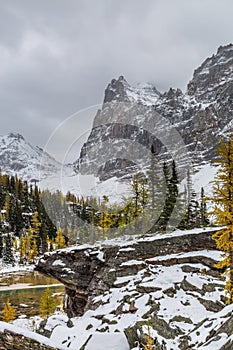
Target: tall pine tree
(171, 193)
(8, 257)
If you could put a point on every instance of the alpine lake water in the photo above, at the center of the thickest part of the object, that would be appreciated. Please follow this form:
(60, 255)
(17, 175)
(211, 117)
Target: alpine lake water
(25, 289)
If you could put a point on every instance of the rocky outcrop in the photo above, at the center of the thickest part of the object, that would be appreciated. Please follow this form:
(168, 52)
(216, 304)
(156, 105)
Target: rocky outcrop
(89, 271)
(212, 77)
(10, 340)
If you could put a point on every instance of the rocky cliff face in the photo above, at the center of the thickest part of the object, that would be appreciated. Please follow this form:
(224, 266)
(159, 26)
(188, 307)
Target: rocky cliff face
(199, 115)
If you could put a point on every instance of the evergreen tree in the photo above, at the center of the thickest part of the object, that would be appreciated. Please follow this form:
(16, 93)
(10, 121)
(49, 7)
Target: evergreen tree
(171, 195)
(44, 233)
(28, 242)
(152, 178)
(8, 257)
(223, 210)
(6, 207)
(189, 186)
(139, 197)
(156, 187)
(136, 195)
(203, 211)
(8, 312)
(83, 233)
(47, 304)
(1, 245)
(17, 223)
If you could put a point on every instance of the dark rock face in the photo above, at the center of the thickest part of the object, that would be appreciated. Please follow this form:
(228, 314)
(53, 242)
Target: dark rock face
(116, 90)
(90, 271)
(135, 334)
(199, 116)
(12, 341)
(211, 78)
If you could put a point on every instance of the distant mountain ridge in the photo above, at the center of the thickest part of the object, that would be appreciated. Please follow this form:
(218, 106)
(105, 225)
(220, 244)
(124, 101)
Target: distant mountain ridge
(17, 156)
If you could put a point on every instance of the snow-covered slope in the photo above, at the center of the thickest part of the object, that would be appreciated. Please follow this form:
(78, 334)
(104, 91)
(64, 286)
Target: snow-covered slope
(176, 298)
(181, 294)
(17, 156)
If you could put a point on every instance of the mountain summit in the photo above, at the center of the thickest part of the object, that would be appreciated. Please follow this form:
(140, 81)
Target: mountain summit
(213, 77)
(17, 156)
(199, 115)
(119, 90)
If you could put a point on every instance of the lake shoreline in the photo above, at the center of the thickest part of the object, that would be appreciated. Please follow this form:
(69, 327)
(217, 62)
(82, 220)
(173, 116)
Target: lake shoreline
(25, 287)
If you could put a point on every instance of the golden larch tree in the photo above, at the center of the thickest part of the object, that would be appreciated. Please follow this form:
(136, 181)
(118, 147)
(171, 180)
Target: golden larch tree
(223, 210)
(47, 304)
(35, 225)
(60, 241)
(8, 312)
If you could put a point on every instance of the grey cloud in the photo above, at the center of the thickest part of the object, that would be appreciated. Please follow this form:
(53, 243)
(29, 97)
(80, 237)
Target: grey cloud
(57, 57)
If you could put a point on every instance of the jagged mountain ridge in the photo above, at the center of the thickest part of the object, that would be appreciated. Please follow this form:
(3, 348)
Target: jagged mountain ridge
(199, 115)
(17, 156)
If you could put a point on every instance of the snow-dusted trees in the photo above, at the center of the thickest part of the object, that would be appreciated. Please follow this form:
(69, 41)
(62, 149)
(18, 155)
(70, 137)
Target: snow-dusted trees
(170, 194)
(8, 257)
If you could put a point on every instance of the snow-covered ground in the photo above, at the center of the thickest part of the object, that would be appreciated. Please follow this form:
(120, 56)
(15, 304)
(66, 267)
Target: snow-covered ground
(8, 269)
(27, 333)
(204, 178)
(88, 185)
(106, 327)
(182, 299)
(85, 185)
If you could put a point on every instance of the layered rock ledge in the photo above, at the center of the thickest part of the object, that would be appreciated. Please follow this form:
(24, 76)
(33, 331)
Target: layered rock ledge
(89, 270)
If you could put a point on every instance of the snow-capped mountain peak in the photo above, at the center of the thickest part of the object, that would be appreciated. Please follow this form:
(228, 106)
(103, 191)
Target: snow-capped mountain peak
(198, 116)
(120, 90)
(210, 79)
(19, 156)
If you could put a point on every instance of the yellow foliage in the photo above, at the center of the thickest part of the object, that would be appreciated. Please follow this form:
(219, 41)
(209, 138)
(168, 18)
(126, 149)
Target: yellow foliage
(223, 211)
(149, 343)
(60, 241)
(8, 312)
(35, 224)
(47, 304)
(15, 243)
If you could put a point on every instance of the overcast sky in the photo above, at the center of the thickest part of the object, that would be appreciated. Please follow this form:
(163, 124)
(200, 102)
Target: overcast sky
(57, 56)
